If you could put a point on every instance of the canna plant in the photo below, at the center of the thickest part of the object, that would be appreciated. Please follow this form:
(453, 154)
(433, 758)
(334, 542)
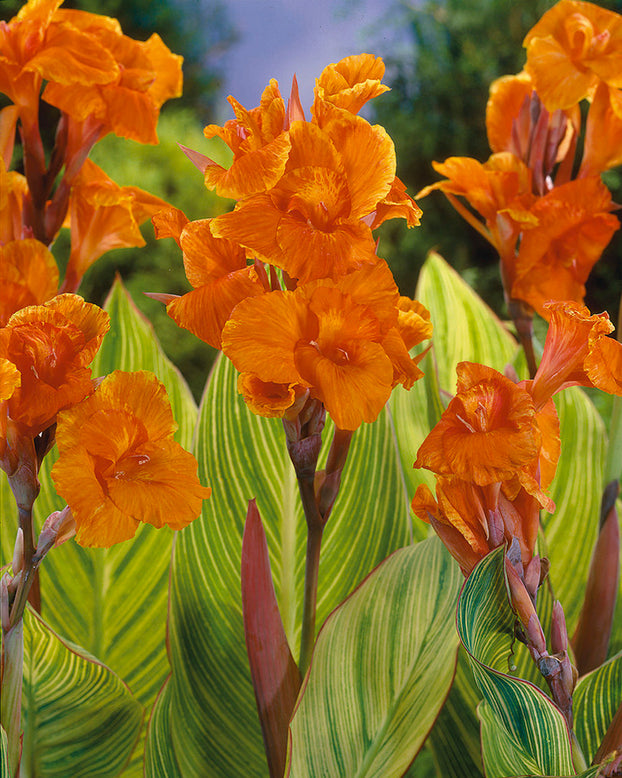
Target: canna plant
(307, 622)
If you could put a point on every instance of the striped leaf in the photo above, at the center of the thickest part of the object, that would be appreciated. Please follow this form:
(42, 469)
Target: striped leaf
(382, 667)
(465, 328)
(521, 726)
(79, 718)
(596, 699)
(113, 602)
(159, 756)
(4, 754)
(213, 717)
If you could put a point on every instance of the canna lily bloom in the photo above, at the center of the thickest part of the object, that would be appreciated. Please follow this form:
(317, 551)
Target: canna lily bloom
(119, 464)
(37, 46)
(325, 337)
(488, 432)
(350, 83)
(10, 380)
(603, 132)
(574, 225)
(500, 190)
(311, 223)
(269, 399)
(146, 74)
(577, 352)
(103, 216)
(221, 278)
(28, 274)
(518, 122)
(13, 191)
(260, 145)
(575, 46)
(51, 345)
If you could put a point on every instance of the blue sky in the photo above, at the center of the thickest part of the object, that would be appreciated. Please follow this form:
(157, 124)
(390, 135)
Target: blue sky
(281, 37)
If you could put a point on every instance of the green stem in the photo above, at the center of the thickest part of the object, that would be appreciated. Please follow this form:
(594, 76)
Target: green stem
(578, 758)
(315, 528)
(613, 463)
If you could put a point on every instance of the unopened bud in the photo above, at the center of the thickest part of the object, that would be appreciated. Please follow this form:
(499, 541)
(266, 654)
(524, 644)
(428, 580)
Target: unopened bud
(559, 635)
(568, 675)
(532, 576)
(59, 527)
(536, 635)
(18, 552)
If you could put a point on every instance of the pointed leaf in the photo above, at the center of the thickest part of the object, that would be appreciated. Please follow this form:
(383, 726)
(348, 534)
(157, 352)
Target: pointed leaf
(597, 697)
(275, 676)
(382, 667)
(79, 718)
(526, 718)
(244, 456)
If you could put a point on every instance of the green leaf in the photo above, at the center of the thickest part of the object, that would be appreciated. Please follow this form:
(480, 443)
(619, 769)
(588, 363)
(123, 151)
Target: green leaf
(521, 716)
(382, 667)
(596, 698)
(576, 491)
(465, 328)
(4, 754)
(159, 755)
(243, 456)
(79, 718)
(113, 602)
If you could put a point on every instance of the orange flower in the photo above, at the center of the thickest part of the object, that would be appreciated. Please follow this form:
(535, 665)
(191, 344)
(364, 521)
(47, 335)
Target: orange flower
(327, 337)
(396, 205)
(104, 216)
(260, 146)
(51, 345)
(603, 133)
(351, 82)
(145, 75)
(218, 271)
(487, 434)
(267, 398)
(574, 47)
(37, 46)
(13, 190)
(577, 353)
(28, 274)
(10, 380)
(555, 256)
(472, 520)
(310, 223)
(119, 464)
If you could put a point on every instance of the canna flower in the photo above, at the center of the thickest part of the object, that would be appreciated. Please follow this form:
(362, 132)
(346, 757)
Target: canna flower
(103, 216)
(518, 122)
(488, 431)
(13, 191)
(326, 337)
(311, 223)
(260, 145)
(218, 271)
(28, 274)
(145, 74)
(603, 132)
(574, 225)
(119, 465)
(51, 345)
(10, 380)
(574, 47)
(37, 46)
(350, 83)
(577, 352)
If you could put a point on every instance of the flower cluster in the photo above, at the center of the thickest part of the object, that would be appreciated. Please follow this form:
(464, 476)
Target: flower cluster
(548, 227)
(289, 284)
(497, 444)
(130, 469)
